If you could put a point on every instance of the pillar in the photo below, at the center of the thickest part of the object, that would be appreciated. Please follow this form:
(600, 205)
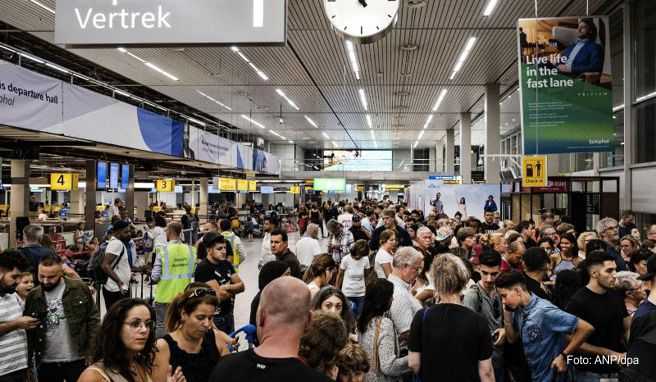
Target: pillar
(439, 156)
(90, 206)
(465, 148)
(129, 194)
(20, 198)
(449, 165)
(203, 199)
(629, 147)
(77, 202)
(492, 134)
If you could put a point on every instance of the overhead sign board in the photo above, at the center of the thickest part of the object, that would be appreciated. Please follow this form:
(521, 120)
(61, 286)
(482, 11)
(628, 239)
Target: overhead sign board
(227, 184)
(165, 185)
(169, 23)
(252, 185)
(242, 185)
(64, 182)
(534, 171)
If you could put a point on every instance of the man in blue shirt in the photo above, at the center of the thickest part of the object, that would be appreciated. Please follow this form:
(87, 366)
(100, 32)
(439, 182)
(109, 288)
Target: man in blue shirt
(542, 328)
(586, 55)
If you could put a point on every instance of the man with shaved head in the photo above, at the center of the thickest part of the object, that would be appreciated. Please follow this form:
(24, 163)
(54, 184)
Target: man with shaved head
(282, 317)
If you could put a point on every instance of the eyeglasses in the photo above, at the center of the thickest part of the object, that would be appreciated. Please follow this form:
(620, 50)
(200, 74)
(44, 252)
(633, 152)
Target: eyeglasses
(138, 324)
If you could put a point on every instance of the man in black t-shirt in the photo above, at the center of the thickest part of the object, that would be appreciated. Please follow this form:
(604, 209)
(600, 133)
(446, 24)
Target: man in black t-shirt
(218, 273)
(489, 226)
(357, 231)
(601, 306)
(280, 249)
(282, 316)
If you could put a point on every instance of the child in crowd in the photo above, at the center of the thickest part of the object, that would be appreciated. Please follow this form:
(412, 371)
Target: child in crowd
(24, 286)
(352, 272)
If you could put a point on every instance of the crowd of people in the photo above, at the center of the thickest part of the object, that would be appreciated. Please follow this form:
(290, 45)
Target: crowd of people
(390, 294)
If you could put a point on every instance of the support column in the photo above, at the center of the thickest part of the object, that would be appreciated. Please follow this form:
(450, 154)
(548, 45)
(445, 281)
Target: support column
(203, 199)
(90, 207)
(20, 198)
(492, 133)
(439, 156)
(450, 152)
(129, 194)
(629, 147)
(77, 202)
(465, 148)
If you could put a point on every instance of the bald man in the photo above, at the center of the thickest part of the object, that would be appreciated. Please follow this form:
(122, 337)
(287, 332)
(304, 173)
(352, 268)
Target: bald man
(282, 317)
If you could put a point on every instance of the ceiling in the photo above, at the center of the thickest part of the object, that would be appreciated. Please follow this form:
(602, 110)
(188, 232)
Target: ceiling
(314, 71)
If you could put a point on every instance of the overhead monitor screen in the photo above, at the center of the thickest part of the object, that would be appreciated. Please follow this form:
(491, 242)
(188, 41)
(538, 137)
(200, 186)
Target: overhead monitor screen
(330, 184)
(101, 175)
(113, 176)
(125, 176)
(266, 189)
(351, 160)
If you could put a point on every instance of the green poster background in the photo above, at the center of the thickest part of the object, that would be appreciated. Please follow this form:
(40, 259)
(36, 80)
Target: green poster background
(564, 119)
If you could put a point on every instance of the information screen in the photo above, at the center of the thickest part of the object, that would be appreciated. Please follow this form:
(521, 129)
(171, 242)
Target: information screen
(101, 175)
(330, 184)
(347, 160)
(266, 189)
(113, 175)
(125, 176)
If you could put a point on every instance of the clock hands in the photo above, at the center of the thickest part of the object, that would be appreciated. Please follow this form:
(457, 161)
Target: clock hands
(363, 2)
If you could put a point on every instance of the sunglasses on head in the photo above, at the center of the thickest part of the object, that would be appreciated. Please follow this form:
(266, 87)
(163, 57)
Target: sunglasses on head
(201, 292)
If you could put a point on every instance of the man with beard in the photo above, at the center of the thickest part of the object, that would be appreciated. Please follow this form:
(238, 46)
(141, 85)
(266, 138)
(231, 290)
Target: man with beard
(69, 320)
(542, 328)
(13, 339)
(389, 222)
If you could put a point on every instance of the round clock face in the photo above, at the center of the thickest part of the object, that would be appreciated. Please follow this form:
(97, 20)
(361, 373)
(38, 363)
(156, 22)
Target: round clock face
(362, 19)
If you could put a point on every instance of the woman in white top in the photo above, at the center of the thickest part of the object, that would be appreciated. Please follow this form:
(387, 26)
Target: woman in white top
(385, 254)
(462, 208)
(320, 273)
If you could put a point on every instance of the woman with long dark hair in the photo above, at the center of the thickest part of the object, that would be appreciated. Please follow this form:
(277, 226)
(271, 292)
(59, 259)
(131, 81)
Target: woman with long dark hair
(332, 300)
(378, 336)
(320, 273)
(193, 343)
(125, 350)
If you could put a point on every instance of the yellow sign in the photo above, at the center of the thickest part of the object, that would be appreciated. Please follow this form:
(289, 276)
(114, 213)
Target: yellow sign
(534, 171)
(394, 187)
(359, 188)
(252, 185)
(64, 182)
(165, 185)
(242, 185)
(295, 190)
(250, 174)
(227, 184)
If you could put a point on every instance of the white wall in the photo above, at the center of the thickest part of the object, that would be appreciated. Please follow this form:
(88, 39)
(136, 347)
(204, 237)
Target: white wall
(286, 154)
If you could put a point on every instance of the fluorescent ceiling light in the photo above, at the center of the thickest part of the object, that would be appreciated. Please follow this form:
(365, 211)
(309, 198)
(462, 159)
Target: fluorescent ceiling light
(258, 13)
(311, 122)
(291, 142)
(123, 93)
(350, 49)
(122, 50)
(276, 134)
(646, 97)
(421, 135)
(325, 135)
(43, 6)
(415, 145)
(440, 98)
(214, 100)
(161, 71)
(335, 145)
(32, 58)
(196, 121)
(463, 56)
(254, 122)
(260, 73)
(618, 108)
(363, 99)
(369, 121)
(289, 101)
(489, 8)
(58, 68)
(428, 121)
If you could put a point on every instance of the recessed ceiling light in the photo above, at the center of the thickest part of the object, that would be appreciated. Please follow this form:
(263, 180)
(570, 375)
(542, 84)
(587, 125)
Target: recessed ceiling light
(363, 99)
(489, 8)
(469, 45)
(254, 122)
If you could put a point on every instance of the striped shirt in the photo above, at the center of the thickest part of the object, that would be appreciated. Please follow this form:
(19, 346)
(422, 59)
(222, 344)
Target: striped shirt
(13, 345)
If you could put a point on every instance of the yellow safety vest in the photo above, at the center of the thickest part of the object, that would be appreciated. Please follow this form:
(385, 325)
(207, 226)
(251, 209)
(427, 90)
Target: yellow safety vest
(236, 256)
(178, 266)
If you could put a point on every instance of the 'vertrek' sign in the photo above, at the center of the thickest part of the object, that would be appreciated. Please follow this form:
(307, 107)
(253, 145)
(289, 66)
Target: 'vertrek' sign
(170, 22)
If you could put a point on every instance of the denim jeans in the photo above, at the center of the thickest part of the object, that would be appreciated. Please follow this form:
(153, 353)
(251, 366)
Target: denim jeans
(356, 305)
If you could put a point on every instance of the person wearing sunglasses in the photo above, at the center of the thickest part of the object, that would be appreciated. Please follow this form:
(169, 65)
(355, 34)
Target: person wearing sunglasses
(483, 298)
(193, 343)
(125, 350)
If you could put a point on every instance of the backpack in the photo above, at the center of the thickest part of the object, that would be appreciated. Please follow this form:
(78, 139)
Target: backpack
(95, 264)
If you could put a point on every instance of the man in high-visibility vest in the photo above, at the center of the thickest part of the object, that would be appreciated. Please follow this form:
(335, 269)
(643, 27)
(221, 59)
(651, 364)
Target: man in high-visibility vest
(238, 249)
(173, 271)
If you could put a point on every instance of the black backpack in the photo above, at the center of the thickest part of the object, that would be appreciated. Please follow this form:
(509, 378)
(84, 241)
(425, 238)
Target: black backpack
(95, 264)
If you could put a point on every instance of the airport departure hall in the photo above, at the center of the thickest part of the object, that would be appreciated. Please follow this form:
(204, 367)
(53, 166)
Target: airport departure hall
(327, 190)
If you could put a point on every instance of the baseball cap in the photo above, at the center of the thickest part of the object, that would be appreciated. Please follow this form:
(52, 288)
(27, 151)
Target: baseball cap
(651, 269)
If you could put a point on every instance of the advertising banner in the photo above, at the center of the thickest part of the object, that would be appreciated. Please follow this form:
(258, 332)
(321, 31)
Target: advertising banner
(209, 147)
(565, 85)
(33, 101)
(155, 22)
(468, 199)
